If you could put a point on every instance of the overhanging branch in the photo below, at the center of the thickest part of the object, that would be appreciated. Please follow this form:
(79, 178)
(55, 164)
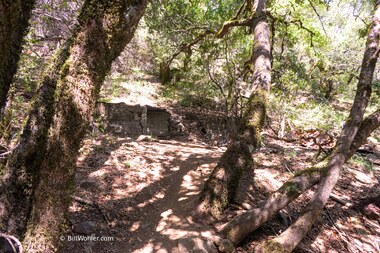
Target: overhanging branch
(231, 23)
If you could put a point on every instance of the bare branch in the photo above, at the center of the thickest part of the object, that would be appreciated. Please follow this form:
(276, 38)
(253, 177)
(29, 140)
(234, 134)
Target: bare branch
(241, 9)
(319, 17)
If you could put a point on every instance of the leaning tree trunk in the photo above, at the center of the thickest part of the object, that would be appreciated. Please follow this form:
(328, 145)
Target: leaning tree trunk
(14, 18)
(242, 225)
(105, 27)
(291, 237)
(220, 188)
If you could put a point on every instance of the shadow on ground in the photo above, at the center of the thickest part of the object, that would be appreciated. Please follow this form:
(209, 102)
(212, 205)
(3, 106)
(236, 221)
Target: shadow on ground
(146, 190)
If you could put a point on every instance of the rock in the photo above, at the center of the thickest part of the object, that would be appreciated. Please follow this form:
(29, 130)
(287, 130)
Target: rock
(144, 138)
(85, 228)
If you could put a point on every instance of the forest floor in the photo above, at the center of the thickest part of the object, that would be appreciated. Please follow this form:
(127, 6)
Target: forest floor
(140, 194)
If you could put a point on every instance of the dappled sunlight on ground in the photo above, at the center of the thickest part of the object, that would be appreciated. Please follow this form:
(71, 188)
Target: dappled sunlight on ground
(146, 192)
(146, 189)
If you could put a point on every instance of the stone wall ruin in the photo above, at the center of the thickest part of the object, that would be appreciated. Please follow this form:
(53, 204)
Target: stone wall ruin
(125, 120)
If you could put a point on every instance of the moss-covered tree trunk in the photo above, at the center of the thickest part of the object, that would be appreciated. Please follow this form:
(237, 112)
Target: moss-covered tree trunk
(20, 172)
(14, 18)
(105, 27)
(220, 188)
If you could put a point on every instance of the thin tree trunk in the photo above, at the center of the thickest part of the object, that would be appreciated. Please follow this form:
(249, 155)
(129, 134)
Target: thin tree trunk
(14, 18)
(220, 188)
(105, 27)
(291, 237)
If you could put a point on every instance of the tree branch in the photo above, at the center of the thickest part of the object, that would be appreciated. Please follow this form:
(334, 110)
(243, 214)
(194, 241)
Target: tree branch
(319, 17)
(187, 47)
(231, 23)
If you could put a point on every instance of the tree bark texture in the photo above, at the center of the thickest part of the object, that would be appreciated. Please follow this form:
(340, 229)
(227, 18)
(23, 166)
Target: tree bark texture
(220, 188)
(292, 236)
(20, 172)
(105, 27)
(14, 23)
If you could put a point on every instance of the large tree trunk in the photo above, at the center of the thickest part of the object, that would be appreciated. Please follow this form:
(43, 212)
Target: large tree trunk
(105, 27)
(14, 18)
(220, 188)
(20, 172)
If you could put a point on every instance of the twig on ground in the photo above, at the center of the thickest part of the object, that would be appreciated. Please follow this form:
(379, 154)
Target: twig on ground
(287, 167)
(340, 200)
(94, 205)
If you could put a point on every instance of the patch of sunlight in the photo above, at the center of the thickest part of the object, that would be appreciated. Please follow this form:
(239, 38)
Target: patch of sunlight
(160, 249)
(173, 226)
(190, 183)
(176, 168)
(159, 195)
(98, 173)
(135, 226)
(141, 174)
(148, 248)
(156, 172)
(267, 179)
(362, 177)
(192, 193)
(320, 244)
(120, 192)
(116, 100)
(155, 198)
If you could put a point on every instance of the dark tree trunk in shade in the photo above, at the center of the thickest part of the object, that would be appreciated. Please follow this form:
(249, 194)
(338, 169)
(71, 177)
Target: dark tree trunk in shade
(70, 87)
(14, 23)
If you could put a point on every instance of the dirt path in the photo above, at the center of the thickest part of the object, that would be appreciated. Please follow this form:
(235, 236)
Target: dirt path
(146, 190)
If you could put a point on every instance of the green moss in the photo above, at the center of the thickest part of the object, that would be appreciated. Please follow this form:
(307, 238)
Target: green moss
(291, 189)
(320, 167)
(254, 116)
(272, 246)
